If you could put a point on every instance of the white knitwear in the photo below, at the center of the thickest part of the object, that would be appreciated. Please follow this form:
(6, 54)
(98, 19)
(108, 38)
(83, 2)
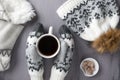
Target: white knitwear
(16, 11)
(66, 8)
(36, 75)
(8, 36)
(12, 14)
(89, 18)
(63, 60)
(56, 74)
(34, 60)
(3, 14)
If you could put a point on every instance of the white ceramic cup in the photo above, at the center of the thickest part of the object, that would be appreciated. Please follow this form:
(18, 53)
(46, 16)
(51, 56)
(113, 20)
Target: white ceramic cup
(49, 34)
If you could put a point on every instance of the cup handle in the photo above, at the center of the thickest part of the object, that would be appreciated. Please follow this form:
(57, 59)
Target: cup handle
(50, 30)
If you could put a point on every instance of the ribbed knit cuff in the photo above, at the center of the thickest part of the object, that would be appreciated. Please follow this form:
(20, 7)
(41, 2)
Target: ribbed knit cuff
(36, 75)
(56, 74)
(67, 7)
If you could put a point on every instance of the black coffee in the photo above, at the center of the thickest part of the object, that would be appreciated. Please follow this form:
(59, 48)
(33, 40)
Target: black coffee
(48, 45)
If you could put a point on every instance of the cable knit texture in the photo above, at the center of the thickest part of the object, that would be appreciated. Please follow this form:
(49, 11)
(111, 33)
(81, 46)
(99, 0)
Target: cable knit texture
(63, 60)
(89, 17)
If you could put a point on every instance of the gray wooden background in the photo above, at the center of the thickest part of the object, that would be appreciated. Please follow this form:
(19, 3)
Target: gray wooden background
(46, 14)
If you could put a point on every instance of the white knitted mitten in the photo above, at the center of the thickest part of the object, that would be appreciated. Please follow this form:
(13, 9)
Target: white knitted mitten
(8, 36)
(63, 60)
(34, 60)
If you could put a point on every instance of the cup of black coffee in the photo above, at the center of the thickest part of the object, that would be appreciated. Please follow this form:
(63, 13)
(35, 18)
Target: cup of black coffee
(48, 45)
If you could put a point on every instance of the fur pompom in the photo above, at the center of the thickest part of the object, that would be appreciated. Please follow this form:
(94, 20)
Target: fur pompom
(108, 42)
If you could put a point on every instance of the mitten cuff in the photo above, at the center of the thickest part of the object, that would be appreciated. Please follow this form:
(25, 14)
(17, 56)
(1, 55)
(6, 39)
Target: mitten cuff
(57, 74)
(67, 7)
(36, 75)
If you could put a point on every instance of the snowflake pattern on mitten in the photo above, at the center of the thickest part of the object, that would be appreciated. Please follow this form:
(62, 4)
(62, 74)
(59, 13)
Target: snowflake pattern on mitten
(34, 60)
(63, 60)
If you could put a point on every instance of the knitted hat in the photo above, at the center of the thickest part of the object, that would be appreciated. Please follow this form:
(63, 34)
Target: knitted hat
(16, 11)
(89, 19)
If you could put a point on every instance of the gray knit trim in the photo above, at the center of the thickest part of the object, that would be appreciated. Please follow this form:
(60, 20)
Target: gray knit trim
(7, 54)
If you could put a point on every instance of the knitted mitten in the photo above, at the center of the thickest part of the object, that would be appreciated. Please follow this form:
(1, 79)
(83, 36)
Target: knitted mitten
(89, 17)
(34, 60)
(8, 36)
(63, 61)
